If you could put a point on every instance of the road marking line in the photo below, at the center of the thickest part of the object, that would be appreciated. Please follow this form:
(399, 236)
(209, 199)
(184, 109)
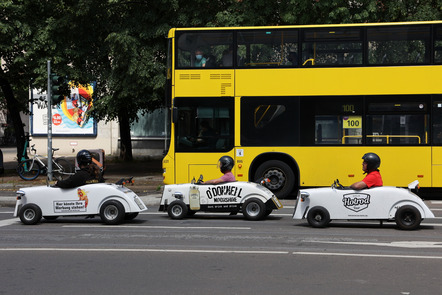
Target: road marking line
(7, 222)
(160, 227)
(147, 250)
(396, 244)
(221, 252)
(367, 255)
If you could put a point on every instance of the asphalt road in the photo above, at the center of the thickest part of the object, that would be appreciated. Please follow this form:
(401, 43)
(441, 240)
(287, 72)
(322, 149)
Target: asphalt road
(218, 254)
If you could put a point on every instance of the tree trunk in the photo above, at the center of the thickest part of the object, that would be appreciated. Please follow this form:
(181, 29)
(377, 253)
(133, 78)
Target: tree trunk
(14, 112)
(125, 138)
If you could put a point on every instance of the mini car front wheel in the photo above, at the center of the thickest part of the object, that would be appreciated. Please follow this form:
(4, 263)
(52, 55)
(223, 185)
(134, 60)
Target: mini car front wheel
(408, 217)
(112, 212)
(30, 214)
(318, 217)
(253, 209)
(177, 210)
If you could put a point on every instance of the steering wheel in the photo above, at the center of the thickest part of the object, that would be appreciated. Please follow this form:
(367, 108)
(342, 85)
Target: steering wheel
(200, 180)
(337, 185)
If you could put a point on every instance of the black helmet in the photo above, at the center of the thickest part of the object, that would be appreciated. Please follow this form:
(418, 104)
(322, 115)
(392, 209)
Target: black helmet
(373, 161)
(225, 163)
(84, 157)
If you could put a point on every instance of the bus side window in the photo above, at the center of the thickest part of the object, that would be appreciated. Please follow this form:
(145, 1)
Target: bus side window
(267, 48)
(332, 47)
(203, 49)
(399, 121)
(399, 45)
(336, 122)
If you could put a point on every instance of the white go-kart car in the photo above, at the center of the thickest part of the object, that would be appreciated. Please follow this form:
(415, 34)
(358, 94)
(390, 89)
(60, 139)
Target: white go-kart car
(386, 203)
(253, 200)
(114, 203)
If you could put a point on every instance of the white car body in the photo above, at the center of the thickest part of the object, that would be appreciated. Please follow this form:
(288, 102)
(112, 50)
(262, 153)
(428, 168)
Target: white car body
(321, 205)
(253, 200)
(113, 203)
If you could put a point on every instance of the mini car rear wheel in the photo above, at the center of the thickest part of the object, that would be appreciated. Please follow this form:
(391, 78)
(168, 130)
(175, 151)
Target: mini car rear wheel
(318, 217)
(177, 210)
(30, 214)
(112, 212)
(253, 209)
(408, 217)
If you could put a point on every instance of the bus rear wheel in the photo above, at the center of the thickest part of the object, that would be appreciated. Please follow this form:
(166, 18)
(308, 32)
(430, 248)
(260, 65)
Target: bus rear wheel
(282, 178)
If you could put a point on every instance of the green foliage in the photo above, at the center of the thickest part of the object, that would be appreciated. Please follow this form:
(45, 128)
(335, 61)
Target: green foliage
(121, 44)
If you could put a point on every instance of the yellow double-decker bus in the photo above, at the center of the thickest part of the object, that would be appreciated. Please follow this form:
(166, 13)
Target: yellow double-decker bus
(302, 104)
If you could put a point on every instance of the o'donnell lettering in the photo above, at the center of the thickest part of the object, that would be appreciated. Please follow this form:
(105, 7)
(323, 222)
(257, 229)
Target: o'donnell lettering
(224, 191)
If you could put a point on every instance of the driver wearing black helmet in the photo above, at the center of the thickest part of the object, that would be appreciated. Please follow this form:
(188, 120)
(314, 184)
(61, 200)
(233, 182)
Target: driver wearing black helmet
(225, 164)
(84, 159)
(370, 166)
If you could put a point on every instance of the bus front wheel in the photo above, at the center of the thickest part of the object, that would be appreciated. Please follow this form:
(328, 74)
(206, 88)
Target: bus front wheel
(282, 178)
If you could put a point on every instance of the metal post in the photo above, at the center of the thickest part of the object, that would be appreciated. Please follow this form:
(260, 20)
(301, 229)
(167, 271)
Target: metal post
(49, 122)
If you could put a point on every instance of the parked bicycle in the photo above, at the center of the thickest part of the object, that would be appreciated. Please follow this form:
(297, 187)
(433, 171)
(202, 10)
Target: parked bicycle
(30, 169)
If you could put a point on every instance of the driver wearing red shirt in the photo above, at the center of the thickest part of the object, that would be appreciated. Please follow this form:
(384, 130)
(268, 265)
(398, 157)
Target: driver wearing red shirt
(370, 166)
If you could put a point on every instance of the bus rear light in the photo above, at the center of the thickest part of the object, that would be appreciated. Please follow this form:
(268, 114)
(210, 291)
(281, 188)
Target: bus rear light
(420, 176)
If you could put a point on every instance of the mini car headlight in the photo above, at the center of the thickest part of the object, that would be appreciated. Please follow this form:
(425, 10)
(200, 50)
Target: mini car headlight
(304, 195)
(19, 195)
(178, 195)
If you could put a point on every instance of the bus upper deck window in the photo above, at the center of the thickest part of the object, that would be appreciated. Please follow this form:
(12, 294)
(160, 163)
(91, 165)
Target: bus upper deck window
(399, 45)
(438, 44)
(207, 49)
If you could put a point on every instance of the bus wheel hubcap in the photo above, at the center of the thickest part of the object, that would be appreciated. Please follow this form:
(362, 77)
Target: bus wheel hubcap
(277, 179)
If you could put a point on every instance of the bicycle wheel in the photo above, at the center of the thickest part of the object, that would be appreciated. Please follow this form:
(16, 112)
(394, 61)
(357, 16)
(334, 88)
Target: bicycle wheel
(28, 169)
(62, 169)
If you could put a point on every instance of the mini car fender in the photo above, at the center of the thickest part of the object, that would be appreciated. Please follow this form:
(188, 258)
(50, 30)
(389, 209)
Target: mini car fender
(425, 213)
(126, 205)
(261, 198)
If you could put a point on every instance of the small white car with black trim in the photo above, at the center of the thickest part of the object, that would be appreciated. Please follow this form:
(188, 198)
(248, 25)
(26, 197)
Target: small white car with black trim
(253, 200)
(322, 205)
(114, 203)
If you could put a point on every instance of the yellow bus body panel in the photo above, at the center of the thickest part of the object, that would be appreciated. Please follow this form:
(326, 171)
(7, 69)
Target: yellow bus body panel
(204, 82)
(320, 166)
(339, 81)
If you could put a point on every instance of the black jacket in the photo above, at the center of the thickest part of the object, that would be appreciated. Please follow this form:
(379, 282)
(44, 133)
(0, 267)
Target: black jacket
(78, 179)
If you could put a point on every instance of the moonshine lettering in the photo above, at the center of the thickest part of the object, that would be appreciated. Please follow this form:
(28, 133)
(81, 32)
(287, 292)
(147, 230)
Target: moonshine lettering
(224, 191)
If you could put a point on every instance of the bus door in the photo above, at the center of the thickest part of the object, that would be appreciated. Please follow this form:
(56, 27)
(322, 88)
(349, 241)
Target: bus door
(203, 133)
(436, 150)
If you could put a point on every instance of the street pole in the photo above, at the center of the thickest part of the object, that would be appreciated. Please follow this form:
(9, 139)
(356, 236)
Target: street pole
(49, 122)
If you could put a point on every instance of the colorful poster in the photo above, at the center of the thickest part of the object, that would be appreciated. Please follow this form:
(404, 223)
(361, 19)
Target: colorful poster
(70, 117)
